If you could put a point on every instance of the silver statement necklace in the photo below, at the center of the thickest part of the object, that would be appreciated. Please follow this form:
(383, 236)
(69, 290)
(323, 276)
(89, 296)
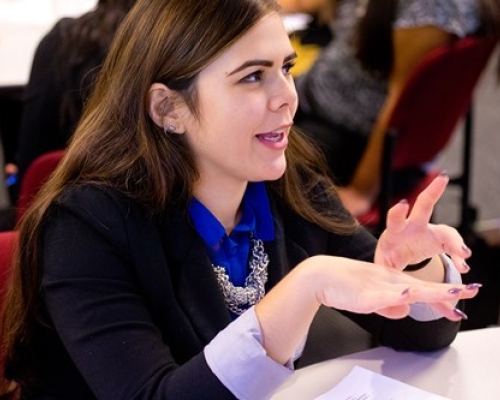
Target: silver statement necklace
(239, 298)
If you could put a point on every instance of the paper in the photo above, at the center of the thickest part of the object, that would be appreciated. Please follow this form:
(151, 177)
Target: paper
(363, 384)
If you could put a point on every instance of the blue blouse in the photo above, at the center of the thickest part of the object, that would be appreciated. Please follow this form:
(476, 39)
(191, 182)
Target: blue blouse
(232, 252)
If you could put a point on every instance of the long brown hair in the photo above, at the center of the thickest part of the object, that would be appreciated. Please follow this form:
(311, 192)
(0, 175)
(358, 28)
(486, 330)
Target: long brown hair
(118, 145)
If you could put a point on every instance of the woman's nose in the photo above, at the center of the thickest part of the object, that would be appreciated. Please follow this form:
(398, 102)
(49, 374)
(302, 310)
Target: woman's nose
(284, 95)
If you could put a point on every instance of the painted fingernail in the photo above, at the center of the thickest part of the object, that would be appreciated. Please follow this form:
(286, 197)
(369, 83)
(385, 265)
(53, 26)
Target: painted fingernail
(455, 290)
(405, 292)
(466, 266)
(460, 313)
(474, 286)
(466, 249)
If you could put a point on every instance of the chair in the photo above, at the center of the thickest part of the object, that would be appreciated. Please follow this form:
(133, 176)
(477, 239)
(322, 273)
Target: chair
(437, 95)
(8, 243)
(36, 175)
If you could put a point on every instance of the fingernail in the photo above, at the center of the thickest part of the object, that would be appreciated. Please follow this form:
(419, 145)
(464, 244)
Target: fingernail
(455, 290)
(474, 286)
(466, 249)
(443, 173)
(460, 313)
(405, 292)
(403, 201)
(466, 266)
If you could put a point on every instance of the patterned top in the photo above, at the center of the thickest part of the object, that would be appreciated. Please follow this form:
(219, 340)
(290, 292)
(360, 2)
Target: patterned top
(340, 91)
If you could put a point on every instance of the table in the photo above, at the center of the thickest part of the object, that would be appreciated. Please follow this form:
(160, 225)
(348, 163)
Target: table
(468, 370)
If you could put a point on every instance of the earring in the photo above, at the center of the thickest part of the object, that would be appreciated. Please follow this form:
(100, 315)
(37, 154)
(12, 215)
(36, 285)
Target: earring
(169, 129)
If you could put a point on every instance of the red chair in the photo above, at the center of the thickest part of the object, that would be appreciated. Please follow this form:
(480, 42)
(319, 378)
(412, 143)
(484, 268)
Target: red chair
(36, 175)
(8, 243)
(437, 95)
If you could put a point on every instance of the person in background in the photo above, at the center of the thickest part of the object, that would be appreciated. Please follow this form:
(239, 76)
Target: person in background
(349, 92)
(309, 40)
(62, 75)
(190, 234)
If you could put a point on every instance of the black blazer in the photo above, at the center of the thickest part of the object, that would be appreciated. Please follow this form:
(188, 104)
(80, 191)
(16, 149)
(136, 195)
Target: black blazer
(130, 300)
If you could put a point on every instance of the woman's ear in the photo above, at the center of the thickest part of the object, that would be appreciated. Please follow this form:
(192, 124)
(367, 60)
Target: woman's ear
(161, 105)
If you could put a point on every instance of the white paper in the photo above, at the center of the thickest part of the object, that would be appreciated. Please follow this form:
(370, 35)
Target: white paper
(363, 384)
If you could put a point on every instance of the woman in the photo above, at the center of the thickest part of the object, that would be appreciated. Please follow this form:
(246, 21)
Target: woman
(189, 236)
(349, 93)
(64, 67)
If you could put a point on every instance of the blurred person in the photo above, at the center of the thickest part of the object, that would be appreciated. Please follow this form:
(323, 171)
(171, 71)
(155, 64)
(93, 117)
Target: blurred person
(348, 94)
(314, 35)
(65, 64)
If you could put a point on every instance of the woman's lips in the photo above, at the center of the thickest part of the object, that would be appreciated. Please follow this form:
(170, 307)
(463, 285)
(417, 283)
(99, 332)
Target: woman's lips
(274, 137)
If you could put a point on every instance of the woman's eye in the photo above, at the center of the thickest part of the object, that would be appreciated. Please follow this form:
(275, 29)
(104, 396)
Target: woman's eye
(288, 67)
(253, 77)
(257, 76)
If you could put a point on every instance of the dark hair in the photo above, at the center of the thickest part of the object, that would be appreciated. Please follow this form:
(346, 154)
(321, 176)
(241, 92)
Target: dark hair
(118, 145)
(373, 38)
(84, 43)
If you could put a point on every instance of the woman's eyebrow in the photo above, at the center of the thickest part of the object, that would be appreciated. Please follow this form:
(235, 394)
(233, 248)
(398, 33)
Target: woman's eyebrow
(291, 56)
(262, 63)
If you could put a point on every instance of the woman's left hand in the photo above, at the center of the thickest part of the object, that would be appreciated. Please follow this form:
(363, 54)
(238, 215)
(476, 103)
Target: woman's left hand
(410, 237)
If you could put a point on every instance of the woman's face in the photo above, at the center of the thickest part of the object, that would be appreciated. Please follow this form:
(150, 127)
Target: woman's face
(247, 101)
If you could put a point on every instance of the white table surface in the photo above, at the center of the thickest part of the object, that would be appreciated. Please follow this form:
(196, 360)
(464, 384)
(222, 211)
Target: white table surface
(23, 23)
(468, 370)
